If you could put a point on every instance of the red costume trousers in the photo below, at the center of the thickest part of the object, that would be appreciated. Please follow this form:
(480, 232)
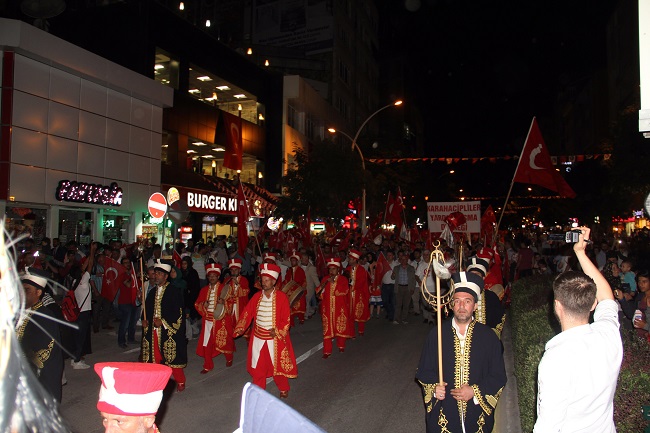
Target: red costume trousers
(264, 369)
(327, 344)
(361, 327)
(178, 373)
(208, 361)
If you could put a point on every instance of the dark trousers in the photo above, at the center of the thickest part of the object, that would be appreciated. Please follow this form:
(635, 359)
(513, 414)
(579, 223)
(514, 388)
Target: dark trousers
(388, 299)
(83, 322)
(129, 314)
(101, 312)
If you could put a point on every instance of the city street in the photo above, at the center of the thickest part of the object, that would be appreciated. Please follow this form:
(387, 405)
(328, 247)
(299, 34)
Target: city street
(369, 388)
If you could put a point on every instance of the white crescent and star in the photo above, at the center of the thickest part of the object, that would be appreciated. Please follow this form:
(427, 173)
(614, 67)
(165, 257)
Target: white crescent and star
(108, 280)
(533, 154)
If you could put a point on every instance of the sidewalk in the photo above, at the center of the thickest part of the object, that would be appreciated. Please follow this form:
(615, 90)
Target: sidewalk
(507, 419)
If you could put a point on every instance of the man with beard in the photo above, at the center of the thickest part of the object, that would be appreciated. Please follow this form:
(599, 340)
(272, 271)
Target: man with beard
(164, 326)
(471, 358)
(270, 352)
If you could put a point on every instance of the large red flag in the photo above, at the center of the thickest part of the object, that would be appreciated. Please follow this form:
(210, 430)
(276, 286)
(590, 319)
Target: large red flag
(177, 258)
(242, 220)
(381, 268)
(394, 209)
(535, 165)
(488, 222)
(320, 261)
(114, 275)
(232, 157)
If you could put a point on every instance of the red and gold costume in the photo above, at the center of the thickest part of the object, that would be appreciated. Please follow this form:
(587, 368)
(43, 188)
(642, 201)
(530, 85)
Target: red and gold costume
(359, 295)
(335, 312)
(269, 355)
(239, 291)
(216, 334)
(298, 275)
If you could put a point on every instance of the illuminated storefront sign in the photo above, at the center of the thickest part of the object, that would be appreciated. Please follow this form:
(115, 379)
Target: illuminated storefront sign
(81, 192)
(207, 202)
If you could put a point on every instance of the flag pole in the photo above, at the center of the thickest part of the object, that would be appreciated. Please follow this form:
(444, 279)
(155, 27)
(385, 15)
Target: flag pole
(386, 208)
(513, 176)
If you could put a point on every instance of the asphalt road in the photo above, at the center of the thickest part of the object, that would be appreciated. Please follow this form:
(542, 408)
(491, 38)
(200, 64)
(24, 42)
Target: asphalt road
(369, 388)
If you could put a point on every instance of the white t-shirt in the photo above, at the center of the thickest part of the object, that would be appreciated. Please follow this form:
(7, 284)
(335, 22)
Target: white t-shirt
(388, 275)
(82, 292)
(578, 374)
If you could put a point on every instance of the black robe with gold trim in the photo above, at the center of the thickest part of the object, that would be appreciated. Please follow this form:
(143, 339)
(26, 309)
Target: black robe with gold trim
(484, 371)
(42, 347)
(490, 311)
(171, 337)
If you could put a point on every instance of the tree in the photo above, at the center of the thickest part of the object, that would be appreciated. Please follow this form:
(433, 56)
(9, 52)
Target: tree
(323, 181)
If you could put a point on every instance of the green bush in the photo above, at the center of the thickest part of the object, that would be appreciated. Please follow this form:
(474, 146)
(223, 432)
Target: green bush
(533, 325)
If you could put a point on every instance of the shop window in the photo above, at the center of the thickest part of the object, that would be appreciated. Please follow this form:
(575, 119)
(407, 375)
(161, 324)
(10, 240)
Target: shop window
(115, 227)
(75, 225)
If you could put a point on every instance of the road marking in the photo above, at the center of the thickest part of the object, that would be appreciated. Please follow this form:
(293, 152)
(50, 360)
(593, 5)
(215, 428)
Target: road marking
(302, 357)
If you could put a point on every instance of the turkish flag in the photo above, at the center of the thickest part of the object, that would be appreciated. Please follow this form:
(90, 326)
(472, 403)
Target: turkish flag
(232, 157)
(243, 214)
(320, 261)
(394, 209)
(381, 268)
(488, 220)
(114, 275)
(177, 258)
(535, 165)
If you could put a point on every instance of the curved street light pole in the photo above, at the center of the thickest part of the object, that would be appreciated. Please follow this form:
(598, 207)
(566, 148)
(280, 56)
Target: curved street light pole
(363, 162)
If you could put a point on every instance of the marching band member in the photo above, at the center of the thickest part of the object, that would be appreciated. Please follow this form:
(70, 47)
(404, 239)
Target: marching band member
(335, 308)
(359, 291)
(297, 274)
(216, 331)
(270, 352)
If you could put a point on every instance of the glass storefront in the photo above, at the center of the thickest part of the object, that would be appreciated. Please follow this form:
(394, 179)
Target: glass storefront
(115, 227)
(26, 221)
(76, 225)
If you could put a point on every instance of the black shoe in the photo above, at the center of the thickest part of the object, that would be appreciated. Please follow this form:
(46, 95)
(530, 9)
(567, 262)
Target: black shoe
(124, 346)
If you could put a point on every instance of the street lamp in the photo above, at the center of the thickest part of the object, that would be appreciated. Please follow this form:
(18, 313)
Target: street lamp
(363, 163)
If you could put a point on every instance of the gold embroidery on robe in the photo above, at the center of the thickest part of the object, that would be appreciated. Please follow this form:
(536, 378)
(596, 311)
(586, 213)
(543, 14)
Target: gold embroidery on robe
(285, 360)
(169, 349)
(429, 389)
(341, 322)
(221, 336)
(41, 356)
(442, 422)
(145, 348)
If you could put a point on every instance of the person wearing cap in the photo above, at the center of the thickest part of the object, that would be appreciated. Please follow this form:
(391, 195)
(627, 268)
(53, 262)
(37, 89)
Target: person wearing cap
(334, 291)
(238, 287)
(359, 290)
(471, 362)
(270, 352)
(267, 257)
(216, 332)
(130, 395)
(164, 325)
(296, 274)
(39, 337)
(489, 310)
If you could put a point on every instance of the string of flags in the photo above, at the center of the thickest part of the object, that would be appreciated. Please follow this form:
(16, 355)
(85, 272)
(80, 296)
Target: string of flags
(561, 159)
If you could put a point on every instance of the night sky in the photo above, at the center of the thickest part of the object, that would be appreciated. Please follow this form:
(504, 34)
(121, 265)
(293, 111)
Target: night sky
(480, 70)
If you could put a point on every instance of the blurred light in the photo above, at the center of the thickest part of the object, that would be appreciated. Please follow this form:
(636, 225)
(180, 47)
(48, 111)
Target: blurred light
(332, 130)
(260, 116)
(452, 171)
(156, 67)
(400, 102)
(239, 107)
(414, 207)
(204, 77)
(426, 197)
(266, 62)
(214, 164)
(239, 96)
(250, 51)
(223, 88)
(181, 6)
(260, 175)
(530, 189)
(207, 23)
(238, 171)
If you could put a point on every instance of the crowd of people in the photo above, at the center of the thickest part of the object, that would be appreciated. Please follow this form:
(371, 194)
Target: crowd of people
(211, 293)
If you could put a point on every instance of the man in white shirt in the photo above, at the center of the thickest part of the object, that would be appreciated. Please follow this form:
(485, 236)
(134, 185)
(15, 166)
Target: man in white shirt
(420, 266)
(312, 283)
(388, 287)
(578, 372)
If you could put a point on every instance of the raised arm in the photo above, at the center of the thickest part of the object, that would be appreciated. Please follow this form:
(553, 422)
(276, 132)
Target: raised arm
(603, 290)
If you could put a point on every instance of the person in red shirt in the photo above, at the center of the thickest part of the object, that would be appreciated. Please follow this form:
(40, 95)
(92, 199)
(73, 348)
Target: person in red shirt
(359, 290)
(334, 291)
(238, 288)
(296, 273)
(216, 331)
(126, 307)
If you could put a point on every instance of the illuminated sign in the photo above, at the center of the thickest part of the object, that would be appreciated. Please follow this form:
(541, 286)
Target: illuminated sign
(81, 192)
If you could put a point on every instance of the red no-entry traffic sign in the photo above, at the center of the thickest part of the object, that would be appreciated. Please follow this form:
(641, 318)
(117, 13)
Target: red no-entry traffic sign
(157, 205)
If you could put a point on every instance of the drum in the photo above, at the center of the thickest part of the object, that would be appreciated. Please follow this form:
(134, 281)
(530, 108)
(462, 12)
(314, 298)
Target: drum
(296, 295)
(499, 290)
(219, 311)
(293, 291)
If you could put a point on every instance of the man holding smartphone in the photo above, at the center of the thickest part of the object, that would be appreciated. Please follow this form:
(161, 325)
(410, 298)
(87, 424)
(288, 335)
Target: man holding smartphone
(578, 372)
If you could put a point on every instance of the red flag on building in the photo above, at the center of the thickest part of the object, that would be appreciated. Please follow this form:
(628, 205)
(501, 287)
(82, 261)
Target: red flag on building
(232, 157)
(114, 275)
(394, 208)
(243, 214)
(535, 165)
(381, 268)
